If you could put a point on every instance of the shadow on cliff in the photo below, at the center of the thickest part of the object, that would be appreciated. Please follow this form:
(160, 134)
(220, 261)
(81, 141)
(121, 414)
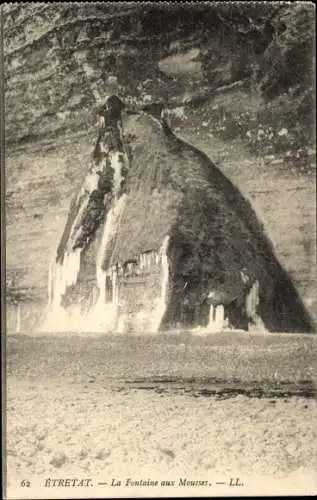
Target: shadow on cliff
(218, 253)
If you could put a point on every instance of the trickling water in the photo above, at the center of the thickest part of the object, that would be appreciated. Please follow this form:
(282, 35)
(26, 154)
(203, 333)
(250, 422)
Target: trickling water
(91, 182)
(117, 164)
(110, 227)
(148, 318)
(160, 310)
(216, 319)
(103, 314)
(60, 277)
(66, 274)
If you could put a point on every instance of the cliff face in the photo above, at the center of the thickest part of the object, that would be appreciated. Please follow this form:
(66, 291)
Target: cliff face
(60, 59)
(165, 209)
(60, 63)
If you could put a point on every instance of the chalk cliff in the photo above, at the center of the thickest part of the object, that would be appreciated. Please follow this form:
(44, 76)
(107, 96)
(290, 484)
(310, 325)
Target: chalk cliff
(159, 238)
(62, 61)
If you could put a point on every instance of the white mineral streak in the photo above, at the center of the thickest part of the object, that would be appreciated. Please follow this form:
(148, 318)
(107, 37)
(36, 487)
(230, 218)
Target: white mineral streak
(61, 276)
(216, 319)
(116, 162)
(76, 226)
(91, 182)
(141, 261)
(65, 275)
(148, 259)
(162, 303)
(103, 316)
(104, 313)
(89, 185)
(149, 318)
(110, 228)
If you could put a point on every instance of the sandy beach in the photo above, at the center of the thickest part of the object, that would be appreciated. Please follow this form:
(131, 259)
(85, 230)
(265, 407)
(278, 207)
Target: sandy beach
(112, 408)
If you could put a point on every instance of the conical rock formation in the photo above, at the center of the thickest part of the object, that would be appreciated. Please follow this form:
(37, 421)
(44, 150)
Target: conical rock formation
(159, 238)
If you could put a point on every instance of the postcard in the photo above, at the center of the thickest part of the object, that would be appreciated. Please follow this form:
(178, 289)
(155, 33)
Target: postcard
(159, 241)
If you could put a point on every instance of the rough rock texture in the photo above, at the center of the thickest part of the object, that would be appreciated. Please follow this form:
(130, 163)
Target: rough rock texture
(216, 250)
(59, 59)
(60, 62)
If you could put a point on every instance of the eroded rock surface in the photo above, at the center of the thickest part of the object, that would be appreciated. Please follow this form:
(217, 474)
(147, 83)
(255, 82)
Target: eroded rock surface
(178, 242)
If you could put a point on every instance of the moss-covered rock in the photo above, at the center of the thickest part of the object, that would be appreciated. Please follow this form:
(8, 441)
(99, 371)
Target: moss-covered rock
(217, 249)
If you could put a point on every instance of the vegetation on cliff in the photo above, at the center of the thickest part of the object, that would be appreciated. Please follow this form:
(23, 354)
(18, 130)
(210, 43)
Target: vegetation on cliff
(241, 72)
(59, 60)
(216, 244)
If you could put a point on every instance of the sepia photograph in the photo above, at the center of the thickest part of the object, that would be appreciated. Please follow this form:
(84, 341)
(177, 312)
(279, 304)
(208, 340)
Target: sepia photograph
(158, 176)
